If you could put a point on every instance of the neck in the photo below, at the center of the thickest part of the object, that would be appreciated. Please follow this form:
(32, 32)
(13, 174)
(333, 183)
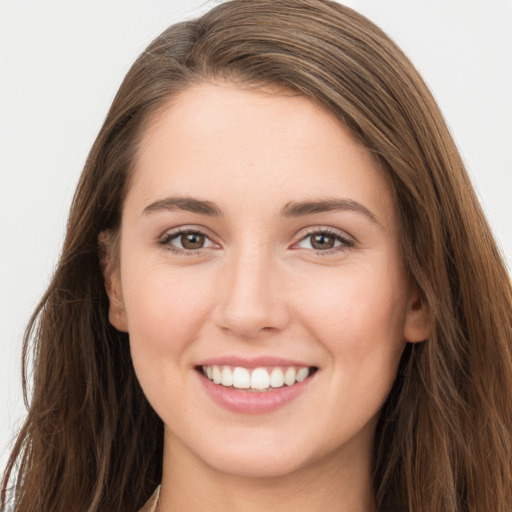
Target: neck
(340, 481)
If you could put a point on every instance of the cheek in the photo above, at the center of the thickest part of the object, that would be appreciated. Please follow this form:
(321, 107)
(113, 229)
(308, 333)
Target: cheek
(165, 309)
(358, 314)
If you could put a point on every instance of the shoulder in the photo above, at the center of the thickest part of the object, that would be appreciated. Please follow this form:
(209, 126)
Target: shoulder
(150, 506)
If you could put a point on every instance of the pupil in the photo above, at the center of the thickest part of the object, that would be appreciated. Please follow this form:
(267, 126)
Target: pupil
(322, 241)
(192, 241)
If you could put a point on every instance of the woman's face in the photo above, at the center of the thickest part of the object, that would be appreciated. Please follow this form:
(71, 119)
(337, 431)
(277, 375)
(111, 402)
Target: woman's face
(259, 247)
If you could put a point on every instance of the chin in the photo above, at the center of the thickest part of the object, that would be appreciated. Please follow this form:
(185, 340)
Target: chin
(258, 466)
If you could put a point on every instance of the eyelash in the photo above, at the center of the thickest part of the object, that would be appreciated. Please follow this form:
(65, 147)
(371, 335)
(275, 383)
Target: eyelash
(344, 243)
(165, 241)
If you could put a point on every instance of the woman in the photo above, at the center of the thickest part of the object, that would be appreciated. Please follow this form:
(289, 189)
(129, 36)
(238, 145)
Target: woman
(277, 289)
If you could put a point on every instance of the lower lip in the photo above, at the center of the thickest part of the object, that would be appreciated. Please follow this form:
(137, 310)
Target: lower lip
(246, 402)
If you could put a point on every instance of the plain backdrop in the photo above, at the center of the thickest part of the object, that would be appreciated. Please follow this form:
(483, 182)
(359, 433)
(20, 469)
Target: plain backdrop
(61, 63)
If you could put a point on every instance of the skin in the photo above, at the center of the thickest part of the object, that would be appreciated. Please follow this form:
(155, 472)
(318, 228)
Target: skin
(259, 287)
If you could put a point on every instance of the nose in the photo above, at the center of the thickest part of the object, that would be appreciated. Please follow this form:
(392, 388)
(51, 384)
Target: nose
(251, 298)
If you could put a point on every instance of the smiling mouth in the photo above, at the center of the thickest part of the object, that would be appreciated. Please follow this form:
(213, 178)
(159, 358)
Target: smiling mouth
(256, 379)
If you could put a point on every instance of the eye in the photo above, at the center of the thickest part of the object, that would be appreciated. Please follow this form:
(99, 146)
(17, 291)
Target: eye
(186, 240)
(190, 241)
(324, 241)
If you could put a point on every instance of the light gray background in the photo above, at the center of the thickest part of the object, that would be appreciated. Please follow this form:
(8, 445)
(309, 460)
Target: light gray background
(61, 63)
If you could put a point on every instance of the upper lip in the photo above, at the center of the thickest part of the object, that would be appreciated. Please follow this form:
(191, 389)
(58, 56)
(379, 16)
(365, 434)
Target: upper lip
(252, 362)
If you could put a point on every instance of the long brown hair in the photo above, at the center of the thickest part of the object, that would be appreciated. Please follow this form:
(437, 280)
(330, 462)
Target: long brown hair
(91, 441)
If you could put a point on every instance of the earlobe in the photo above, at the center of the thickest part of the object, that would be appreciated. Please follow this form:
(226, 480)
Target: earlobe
(116, 312)
(417, 325)
(108, 254)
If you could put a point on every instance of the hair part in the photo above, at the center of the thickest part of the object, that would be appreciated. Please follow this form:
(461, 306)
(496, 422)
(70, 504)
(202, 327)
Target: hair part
(92, 442)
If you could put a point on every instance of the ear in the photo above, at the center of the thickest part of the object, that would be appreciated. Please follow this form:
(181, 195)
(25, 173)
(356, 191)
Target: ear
(108, 243)
(417, 326)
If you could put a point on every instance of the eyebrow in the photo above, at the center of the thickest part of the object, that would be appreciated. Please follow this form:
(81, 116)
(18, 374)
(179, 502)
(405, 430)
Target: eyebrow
(291, 209)
(188, 204)
(298, 209)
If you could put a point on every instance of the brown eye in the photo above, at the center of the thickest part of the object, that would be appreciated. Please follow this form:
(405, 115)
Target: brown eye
(191, 241)
(322, 241)
(325, 242)
(187, 242)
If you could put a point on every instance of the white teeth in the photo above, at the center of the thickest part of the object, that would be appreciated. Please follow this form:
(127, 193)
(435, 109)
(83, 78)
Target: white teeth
(241, 378)
(257, 379)
(216, 375)
(302, 373)
(289, 376)
(277, 378)
(260, 379)
(227, 376)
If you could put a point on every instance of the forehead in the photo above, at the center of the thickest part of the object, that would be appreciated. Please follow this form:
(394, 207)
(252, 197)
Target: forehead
(231, 143)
